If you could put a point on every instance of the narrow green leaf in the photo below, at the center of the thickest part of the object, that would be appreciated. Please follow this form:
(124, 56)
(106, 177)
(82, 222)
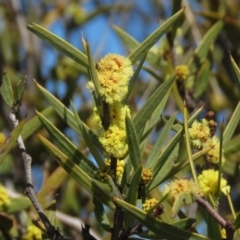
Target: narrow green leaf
(101, 215)
(133, 145)
(203, 48)
(87, 139)
(231, 126)
(152, 103)
(237, 221)
(7, 90)
(153, 38)
(213, 227)
(132, 44)
(100, 190)
(180, 200)
(10, 140)
(134, 78)
(185, 223)
(34, 123)
(155, 116)
(94, 77)
(132, 195)
(220, 162)
(163, 230)
(236, 73)
(164, 164)
(156, 151)
(202, 79)
(18, 204)
(188, 145)
(20, 88)
(115, 191)
(50, 211)
(56, 179)
(59, 44)
(67, 115)
(67, 147)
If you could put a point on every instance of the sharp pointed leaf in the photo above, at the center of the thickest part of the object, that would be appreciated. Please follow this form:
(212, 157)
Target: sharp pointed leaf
(67, 147)
(156, 151)
(7, 90)
(153, 38)
(87, 139)
(132, 195)
(236, 73)
(133, 145)
(66, 114)
(59, 44)
(101, 215)
(231, 126)
(100, 190)
(152, 103)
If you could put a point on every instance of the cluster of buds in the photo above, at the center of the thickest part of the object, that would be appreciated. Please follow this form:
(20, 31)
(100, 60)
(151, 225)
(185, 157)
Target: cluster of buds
(106, 170)
(149, 204)
(147, 176)
(202, 137)
(182, 72)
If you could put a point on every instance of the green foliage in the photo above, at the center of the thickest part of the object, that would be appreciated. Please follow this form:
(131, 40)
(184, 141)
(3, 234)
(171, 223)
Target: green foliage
(157, 136)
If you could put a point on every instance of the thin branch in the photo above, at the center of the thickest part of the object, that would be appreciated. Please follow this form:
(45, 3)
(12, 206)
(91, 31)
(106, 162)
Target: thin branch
(29, 191)
(228, 225)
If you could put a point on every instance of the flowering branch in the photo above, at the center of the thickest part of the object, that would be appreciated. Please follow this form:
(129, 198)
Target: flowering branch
(29, 191)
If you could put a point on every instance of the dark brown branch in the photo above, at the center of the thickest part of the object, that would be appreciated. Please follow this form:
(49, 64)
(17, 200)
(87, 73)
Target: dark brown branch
(29, 191)
(228, 225)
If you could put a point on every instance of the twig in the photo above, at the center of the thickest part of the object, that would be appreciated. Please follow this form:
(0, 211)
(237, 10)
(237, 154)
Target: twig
(228, 225)
(29, 191)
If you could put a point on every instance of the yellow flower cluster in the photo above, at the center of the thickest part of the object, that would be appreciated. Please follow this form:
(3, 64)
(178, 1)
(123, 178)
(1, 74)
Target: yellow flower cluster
(149, 204)
(208, 182)
(106, 170)
(4, 198)
(2, 138)
(178, 186)
(114, 72)
(114, 141)
(201, 137)
(147, 176)
(32, 233)
(182, 72)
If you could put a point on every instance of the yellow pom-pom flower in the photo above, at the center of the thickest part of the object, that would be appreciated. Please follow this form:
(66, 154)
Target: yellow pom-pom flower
(178, 186)
(32, 233)
(114, 72)
(182, 72)
(4, 198)
(213, 154)
(208, 181)
(147, 176)
(199, 132)
(114, 141)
